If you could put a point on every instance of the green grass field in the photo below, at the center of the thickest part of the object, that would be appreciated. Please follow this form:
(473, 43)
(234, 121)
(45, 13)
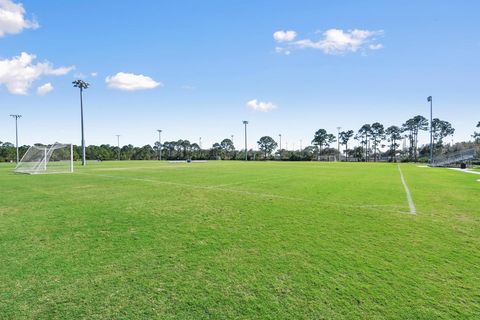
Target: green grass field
(235, 240)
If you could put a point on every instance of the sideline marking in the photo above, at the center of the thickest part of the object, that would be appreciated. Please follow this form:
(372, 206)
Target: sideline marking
(465, 170)
(409, 196)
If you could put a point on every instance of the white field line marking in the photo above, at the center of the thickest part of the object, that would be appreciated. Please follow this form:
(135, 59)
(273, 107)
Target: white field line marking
(407, 191)
(465, 170)
(379, 207)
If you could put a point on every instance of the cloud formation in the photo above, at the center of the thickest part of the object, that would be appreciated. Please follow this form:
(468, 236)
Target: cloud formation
(284, 36)
(44, 89)
(12, 18)
(18, 73)
(131, 82)
(260, 106)
(333, 41)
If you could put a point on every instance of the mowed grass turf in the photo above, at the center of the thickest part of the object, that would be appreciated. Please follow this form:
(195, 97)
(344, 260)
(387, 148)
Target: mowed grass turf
(236, 240)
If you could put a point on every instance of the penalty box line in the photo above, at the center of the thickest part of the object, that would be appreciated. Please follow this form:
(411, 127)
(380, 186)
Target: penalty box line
(411, 205)
(373, 207)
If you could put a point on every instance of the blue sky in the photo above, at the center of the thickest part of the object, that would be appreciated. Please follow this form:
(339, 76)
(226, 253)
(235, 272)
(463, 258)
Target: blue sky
(203, 62)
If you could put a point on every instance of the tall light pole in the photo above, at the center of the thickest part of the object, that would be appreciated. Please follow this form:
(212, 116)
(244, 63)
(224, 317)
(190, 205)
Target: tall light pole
(159, 144)
(246, 150)
(82, 85)
(280, 141)
(430, 99)
(16, 116)
(118, 145)
(200, 142)
(301, 145)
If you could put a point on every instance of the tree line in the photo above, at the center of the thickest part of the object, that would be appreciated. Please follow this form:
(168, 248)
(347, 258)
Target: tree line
(371, 138)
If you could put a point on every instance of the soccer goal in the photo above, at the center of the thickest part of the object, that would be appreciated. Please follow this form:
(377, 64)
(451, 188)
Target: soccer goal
(55, 158)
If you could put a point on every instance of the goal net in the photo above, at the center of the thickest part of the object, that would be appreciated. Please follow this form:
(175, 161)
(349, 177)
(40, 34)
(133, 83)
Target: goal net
(55, 158)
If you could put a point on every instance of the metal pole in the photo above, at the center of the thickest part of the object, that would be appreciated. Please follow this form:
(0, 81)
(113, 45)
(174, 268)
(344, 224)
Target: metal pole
(118, 146)
(16, 138)
(82, 85)
(431, 135)
(280, 146)
(159, 145)
(246, 150)
(84, 161)
(16, 116)
(45, 159)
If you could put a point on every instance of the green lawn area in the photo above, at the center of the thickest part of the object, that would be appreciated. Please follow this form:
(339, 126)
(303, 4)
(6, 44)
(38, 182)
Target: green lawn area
(236, 240)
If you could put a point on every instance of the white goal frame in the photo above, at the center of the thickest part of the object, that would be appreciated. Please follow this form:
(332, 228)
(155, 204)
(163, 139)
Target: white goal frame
(38, 160)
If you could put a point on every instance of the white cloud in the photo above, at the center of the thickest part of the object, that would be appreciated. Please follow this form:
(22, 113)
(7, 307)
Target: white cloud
(282, 50)
(260, 106)
(376, 46)
(337, 41)
(18, 73)
(44, 89)
(284, 36)
(12, 18)
(131, 82)
(94, 74)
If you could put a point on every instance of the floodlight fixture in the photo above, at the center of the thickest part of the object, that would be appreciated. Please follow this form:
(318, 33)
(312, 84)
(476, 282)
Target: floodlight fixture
(82, 85)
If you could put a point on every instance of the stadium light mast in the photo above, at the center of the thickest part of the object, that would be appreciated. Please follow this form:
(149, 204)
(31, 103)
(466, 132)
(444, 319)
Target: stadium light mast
(82, 85)
(118, 145)
(246, 150)
(159, 145)
(430, 99)
(16, 116)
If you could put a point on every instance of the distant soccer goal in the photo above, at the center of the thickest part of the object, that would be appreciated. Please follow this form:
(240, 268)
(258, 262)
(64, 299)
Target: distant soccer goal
(55, 158)
(327, 158)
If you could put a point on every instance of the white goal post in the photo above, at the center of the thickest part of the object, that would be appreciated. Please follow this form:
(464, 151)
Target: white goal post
(54, 158)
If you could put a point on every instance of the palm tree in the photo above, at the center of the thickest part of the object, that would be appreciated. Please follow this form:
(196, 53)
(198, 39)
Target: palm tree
(378, 134)
(394, 134)
(344, 137)
(322, 139)
(440, 130)
(364, 134)
(413, 126)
